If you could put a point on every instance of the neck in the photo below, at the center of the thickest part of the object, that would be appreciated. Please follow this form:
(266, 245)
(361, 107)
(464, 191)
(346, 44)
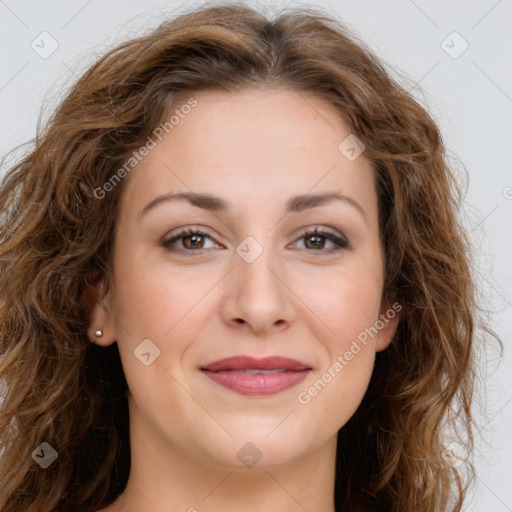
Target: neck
(168, 479)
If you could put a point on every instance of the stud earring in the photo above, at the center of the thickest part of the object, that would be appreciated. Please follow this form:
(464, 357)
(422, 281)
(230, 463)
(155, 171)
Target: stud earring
(98, 333)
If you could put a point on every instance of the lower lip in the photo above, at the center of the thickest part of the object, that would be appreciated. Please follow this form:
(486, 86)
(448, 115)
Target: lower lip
(259, 383)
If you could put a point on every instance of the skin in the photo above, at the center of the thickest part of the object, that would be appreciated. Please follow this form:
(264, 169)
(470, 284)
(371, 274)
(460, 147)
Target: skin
(255, 149)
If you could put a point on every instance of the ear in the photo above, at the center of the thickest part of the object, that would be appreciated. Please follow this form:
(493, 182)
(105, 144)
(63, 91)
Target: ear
(389, 319)
(98, 308)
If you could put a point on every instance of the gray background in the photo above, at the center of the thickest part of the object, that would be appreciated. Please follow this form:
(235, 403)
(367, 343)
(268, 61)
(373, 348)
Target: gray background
(468, 92)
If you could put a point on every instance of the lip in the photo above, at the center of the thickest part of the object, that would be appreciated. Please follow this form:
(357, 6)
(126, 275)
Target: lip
(231, 373)
(251, 363)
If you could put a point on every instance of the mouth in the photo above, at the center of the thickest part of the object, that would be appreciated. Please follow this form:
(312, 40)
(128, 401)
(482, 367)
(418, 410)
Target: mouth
(250, 376)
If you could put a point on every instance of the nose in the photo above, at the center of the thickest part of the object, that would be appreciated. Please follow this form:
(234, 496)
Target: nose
(258, 298)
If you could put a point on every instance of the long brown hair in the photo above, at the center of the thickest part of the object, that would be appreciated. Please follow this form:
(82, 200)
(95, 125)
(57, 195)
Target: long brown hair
(57, 236)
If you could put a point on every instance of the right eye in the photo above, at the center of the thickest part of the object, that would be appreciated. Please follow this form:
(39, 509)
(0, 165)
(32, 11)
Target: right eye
(192, 240)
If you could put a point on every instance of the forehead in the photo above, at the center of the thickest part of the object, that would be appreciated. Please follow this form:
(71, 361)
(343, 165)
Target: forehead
(251, 144)
(271, 117)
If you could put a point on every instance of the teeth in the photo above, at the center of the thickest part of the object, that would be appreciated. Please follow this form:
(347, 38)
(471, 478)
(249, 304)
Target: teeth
(254, 371)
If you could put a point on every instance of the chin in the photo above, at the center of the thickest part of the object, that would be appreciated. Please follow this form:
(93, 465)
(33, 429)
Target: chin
(254, 448)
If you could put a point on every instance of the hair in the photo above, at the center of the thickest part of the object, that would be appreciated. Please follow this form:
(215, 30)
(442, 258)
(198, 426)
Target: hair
(57, 237)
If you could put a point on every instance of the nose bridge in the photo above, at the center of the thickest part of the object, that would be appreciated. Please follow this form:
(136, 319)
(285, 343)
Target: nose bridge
(256, 261)
(257, 293)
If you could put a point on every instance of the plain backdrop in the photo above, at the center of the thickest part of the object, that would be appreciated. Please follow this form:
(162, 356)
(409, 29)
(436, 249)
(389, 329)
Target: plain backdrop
(456, 57)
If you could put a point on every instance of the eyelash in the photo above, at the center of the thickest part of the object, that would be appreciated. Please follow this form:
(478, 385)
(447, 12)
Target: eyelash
(338, 241)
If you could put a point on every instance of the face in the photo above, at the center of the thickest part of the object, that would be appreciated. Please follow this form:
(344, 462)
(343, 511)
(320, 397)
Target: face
(250, 279)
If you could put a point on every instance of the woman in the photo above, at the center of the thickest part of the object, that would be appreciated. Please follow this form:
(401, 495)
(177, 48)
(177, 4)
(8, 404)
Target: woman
(233, 277)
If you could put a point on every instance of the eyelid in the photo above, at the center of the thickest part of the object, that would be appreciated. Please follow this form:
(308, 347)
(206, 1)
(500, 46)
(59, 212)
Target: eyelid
(331, 234)
(338, 238)
(183, 233)
(321, 230)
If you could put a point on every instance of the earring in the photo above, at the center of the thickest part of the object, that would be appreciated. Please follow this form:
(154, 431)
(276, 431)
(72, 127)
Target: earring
(98, 333)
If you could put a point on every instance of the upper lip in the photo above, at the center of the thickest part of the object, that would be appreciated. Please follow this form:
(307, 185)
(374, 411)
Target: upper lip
(250, 363)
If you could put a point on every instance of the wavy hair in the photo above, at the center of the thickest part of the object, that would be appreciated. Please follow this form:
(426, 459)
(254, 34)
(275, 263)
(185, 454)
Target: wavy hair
(57, 238)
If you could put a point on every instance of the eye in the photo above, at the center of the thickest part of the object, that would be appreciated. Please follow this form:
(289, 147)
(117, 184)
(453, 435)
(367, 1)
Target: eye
(192, 240)
(315, 240)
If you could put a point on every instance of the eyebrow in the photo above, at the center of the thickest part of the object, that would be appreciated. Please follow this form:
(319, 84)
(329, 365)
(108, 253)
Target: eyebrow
(212, 203)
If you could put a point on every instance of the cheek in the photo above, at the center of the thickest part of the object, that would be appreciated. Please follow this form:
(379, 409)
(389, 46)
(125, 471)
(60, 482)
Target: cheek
(349, 306)
(164, 307)
(343, 378)
(347, 301)
(155, 298)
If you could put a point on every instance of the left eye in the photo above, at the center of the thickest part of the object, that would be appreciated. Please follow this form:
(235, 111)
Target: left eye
(314, 240)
